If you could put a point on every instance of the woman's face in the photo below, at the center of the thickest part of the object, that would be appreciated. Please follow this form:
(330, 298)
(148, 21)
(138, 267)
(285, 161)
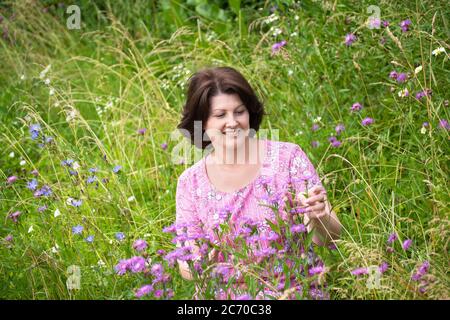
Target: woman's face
(228, 122)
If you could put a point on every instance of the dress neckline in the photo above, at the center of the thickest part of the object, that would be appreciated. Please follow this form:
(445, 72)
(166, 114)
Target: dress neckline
(260, 172)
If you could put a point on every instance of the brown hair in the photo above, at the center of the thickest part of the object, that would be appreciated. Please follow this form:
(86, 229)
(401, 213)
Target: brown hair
(211, 82)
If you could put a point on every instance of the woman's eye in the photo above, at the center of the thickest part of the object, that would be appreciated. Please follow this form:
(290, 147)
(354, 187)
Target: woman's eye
(219, 116)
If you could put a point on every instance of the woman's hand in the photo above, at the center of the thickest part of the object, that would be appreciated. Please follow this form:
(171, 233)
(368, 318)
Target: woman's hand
(316, 204)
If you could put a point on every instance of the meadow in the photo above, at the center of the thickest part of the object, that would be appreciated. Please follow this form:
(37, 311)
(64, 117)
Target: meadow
(90, 154)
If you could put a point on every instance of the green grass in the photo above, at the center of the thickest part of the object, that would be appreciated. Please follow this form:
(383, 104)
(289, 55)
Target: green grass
(133, 69)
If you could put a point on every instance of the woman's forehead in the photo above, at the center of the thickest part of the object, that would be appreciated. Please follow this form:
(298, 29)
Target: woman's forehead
(225, 102)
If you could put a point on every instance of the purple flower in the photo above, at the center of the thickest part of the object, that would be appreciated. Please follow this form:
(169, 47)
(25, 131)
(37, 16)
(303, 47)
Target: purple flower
(383, 268)
(393, 75)
(9, 238)
(359, 271)
(122, 267)
(385, 23)
(406, 244)
(339, 128)
(315, 143)
(158, 293)
(374, 23)
(392, 238)
(316, 270)
(144, 290)
(298, 228)
(277, 46)
(336, 143)
(89, 239)
(349, 39)
(140, 245)
(402, 77)
(77, 229)
(315, 127)
(120, 236)
(142, 131)
(424, 267)
(34, 131)
(443, 123)
(356, 107)
(136, 264)
(425, 124)
(367, 121)
(14, 216)
(117, 169)
(11, 179)
(170, 229)
(43, 208)
(157, 270)
(35, 173)
(405, 25)
(93, 170)
(244, 296)
(164, 146)
(32, 185)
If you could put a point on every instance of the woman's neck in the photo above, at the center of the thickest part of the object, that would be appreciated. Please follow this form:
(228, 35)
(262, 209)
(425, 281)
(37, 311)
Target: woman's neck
(229, 159)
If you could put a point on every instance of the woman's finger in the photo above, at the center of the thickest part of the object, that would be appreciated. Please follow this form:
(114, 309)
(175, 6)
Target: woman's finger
(318, 207)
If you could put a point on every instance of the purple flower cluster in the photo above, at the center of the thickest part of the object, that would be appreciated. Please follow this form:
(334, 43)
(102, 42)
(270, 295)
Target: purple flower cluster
(349, 39)
(405, 24)
(277, 46)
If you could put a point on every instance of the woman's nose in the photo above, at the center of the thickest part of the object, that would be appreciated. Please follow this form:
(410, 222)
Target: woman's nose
(231, 121)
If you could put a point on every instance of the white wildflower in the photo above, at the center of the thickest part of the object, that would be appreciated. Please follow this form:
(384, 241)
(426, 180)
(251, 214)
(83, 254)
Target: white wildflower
(57, 213)
(30, 229)
(418, 69)
(132, 198)
(438, 51)
(44, 72)
(423, 130)
(23, 162)
(11, 155)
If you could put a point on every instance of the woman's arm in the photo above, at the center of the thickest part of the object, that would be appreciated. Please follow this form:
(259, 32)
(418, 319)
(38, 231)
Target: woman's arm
(319, 217)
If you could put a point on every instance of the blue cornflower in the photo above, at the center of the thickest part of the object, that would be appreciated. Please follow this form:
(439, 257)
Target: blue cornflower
(73, 173)
(34, 131)
(44, 191)
(89, 239)
(117, 169)
(77, 229)
(93, 170)
(120, 236)
(76, 203)
(91, 179)
(67, 163)
(32, 185)
(48, 139)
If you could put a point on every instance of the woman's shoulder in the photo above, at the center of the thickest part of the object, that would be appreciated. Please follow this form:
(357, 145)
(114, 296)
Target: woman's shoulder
(191, 173)
(285, 149)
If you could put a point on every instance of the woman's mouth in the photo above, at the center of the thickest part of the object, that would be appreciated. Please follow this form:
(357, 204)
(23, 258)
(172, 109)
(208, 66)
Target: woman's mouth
(231, 133)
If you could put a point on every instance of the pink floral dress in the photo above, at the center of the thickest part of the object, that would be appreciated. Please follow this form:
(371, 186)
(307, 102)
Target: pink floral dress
(285, 163)
(200, 205)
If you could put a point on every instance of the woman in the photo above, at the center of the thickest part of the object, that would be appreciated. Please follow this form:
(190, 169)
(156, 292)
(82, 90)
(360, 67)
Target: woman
(232, 175)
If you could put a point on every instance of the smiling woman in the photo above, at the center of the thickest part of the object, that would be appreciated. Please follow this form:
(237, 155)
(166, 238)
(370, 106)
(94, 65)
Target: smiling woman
(242, 171)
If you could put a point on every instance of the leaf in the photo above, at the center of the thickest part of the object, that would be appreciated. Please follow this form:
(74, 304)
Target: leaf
(235, 5)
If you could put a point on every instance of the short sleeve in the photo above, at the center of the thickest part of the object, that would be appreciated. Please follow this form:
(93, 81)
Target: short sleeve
(186, 212)
(302, 173)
